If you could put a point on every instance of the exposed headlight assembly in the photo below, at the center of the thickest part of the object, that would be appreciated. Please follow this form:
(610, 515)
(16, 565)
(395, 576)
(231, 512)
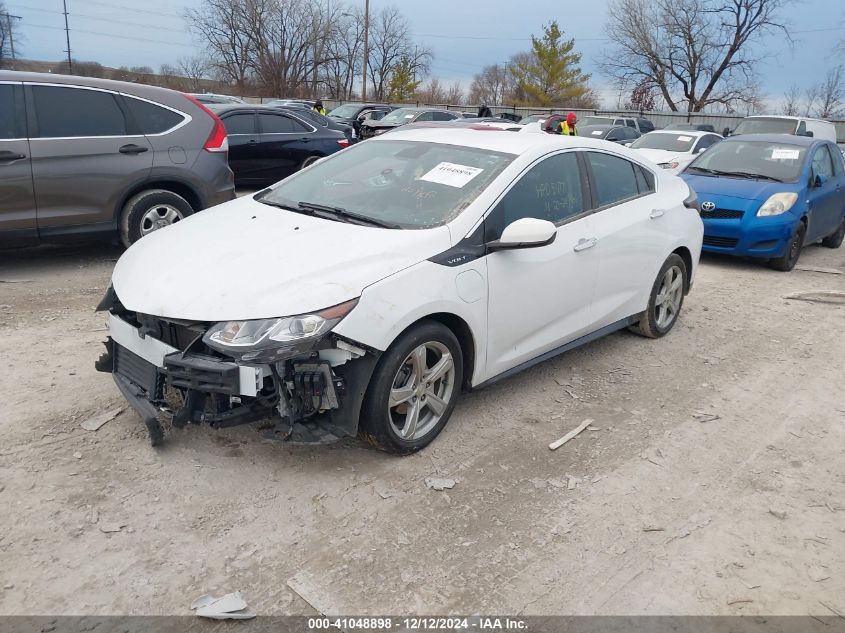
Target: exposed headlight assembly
(777, 204)
(269, 340)
(672, 165)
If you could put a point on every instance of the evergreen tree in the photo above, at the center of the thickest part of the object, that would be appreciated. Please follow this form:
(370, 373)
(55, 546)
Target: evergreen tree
(551, 74)
(402, 86)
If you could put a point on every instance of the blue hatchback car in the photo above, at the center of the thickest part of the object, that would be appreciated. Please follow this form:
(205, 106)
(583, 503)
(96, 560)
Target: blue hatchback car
(767, 195)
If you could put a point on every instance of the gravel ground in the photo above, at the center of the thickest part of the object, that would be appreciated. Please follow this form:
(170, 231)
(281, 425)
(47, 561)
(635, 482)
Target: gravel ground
(710, 482)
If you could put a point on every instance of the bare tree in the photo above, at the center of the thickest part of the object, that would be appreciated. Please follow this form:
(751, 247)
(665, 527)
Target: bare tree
(342, 57)
(455, 94)
(433, 92)
(791, 101)
(831, 93)
(9, 35)
(811, 97)
(194, 69)
(696, 52)
(642, 98)
(491, 85)
(390, 43)
(224, 27)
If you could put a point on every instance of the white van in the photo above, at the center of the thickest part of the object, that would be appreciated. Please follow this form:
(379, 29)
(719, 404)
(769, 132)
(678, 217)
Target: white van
(796, 125)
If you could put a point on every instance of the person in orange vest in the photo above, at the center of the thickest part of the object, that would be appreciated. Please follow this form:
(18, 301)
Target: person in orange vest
(567, 128)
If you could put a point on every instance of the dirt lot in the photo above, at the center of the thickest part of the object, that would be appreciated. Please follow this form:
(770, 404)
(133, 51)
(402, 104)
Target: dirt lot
(653, 509)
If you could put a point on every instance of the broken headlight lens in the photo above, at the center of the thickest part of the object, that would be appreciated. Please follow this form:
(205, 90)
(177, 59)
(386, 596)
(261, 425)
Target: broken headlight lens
(262, 334)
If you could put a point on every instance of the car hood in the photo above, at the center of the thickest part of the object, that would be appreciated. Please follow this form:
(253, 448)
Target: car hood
(664, 156)
(247, 260)
(740, 188)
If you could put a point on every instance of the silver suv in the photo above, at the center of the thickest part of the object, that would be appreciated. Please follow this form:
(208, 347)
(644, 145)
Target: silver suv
(87, 157)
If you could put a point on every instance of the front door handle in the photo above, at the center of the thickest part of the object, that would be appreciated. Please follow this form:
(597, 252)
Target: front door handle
(305, 139)
(583, 244)
(8, 157)
(132, 149)
(656, 213)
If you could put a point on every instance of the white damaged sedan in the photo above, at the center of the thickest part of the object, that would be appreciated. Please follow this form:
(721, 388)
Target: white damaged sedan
(364, 293)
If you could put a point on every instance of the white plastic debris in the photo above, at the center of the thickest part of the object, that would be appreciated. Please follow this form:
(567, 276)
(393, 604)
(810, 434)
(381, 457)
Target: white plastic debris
(229, 607)
(439, 483)
(558, 443)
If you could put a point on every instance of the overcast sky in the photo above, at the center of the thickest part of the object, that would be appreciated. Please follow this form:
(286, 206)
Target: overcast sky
(463, 35)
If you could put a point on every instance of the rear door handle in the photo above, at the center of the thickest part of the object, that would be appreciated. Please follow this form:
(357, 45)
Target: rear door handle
(656, 213)
(583, 244)
(132, 149)
(305, 139)
(8, 157)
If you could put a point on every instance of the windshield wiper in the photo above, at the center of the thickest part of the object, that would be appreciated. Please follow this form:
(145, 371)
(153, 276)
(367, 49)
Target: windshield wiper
(749, 174)
(340, 212)
(704, 170)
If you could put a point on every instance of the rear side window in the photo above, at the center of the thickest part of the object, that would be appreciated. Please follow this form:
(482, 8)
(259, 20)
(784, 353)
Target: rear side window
(8, 112)
(152, 119)
(240, 123)
(443, 116)
(69, 112)
(645, 180)
(614, 178)
(277, 124)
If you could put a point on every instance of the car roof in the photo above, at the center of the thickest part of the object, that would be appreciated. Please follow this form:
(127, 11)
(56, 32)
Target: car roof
(682, 131)
(75, 80)
(223, 108)
(604, 127)
(786, 139)
(785, 117)
(492, 139)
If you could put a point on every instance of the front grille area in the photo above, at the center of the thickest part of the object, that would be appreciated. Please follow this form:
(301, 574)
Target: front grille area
(138, 371)
(724, 242)
(722, 214)
(175, 334)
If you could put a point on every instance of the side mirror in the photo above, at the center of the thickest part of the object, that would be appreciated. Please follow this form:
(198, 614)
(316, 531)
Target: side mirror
(627, 143)
(809, 133)
(819, 180)
(525, 233)
(726, 131)
(701, 149)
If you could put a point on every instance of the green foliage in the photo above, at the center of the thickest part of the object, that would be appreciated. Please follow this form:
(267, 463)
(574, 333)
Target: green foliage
(551, 74)
(402, 86)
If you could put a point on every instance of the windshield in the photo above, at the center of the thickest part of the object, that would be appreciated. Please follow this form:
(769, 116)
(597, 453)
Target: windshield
(776, 161)
(595, 120)
(533, 119)
(402, 115)
(412, 185)
(765, 126)
(345, 111)
(678, 142)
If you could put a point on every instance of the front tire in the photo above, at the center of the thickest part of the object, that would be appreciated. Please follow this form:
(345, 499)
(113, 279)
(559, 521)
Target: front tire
(413, 390)
(149, 211)
(309, 161)
(665, 300)
(834, 240)
(787, 261)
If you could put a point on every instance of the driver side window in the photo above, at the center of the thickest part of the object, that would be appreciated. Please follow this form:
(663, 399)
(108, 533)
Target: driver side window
(550, 190)
(822, 164)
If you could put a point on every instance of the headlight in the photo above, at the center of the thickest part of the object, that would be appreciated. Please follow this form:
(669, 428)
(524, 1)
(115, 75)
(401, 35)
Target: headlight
(672, 165)
(267, 340)
(777, 204)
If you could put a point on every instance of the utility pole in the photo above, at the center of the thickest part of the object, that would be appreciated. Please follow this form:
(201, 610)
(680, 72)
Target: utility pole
(9, 18)
(67, 35)
(366, 48)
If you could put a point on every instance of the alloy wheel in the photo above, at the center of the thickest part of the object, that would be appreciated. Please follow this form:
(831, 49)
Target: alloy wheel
(421, 390)
(667, 303)
(159, 216)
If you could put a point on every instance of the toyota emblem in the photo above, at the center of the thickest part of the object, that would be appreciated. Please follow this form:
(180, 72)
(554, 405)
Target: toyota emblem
(708, 206)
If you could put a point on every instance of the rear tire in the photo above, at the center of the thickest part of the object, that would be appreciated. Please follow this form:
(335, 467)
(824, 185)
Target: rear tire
(413, 389)
(665, 300)
(834, 240)
(149, 211)
(309, 161)
(787, 261)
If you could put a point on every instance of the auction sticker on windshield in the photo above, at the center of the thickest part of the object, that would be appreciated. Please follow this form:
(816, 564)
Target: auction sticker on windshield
(778, 154)
(684, 138)
(451, 174)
